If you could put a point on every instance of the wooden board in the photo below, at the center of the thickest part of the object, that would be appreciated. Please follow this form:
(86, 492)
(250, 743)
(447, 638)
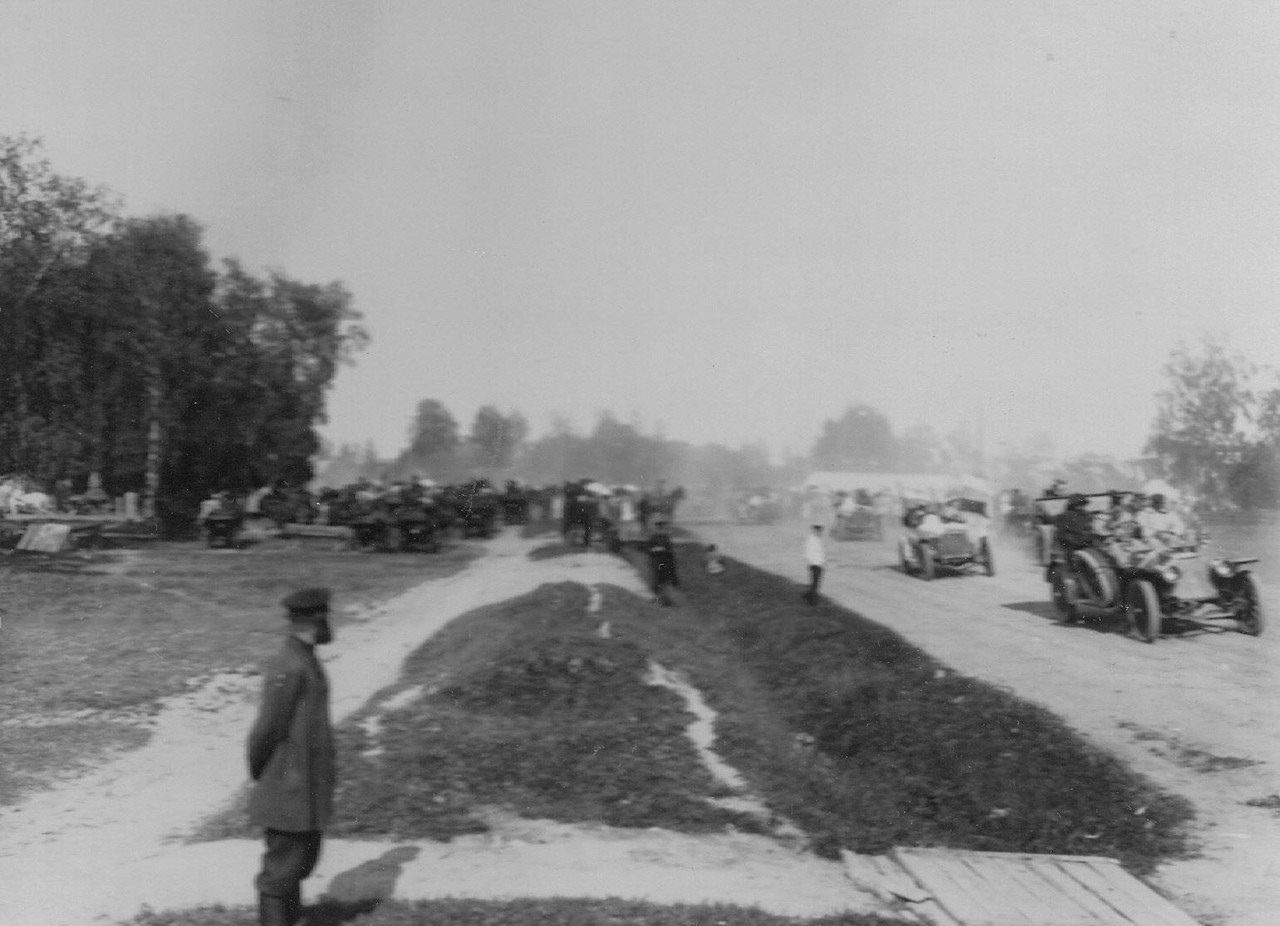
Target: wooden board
(45, 538)
(884, 879)
(57, 517)
(333, 531)
(1017, 889)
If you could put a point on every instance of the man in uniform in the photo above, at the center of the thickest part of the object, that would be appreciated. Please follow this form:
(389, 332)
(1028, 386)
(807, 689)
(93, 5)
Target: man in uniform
(291, 759)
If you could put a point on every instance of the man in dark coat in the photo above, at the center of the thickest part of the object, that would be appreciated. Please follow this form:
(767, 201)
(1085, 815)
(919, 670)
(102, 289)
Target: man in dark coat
(662, 562)
(291, 759)
(1075, 525)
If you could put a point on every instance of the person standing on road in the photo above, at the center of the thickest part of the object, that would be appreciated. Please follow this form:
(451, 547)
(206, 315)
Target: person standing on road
(291, 759)
(815, 556)
(662, 562)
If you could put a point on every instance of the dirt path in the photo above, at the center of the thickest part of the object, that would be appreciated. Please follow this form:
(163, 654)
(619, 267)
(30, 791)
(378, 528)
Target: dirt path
(1197, 714)
(96, 849)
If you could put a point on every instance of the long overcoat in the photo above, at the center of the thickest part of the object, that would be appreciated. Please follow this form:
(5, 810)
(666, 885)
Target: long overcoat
(291, 756)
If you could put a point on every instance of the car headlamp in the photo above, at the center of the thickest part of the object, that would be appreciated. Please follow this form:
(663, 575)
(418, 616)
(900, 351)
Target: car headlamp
(1171, 574)
(1222, 569)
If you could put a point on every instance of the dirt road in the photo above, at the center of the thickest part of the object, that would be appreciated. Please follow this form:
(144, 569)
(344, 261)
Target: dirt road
(1198, 714)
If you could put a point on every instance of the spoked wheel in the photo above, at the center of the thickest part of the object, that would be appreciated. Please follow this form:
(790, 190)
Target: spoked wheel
(1250, 617)
(1063, 595)
(1142, 605)
(1044, 543)
(904, 560)
(988, 558)
(928, 564)
(1099, 576)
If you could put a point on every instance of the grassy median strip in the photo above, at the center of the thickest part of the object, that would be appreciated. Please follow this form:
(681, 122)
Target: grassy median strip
(533, 912)
(91, 642)
(523, 706)
(866, 742)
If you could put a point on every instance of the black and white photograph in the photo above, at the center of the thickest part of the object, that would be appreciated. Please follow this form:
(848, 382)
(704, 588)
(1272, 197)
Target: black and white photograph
(639, 462)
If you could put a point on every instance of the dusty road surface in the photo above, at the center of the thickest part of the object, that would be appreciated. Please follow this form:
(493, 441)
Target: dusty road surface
(1198, 714)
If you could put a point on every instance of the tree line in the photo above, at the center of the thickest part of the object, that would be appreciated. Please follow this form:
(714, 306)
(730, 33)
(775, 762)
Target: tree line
(497, 447)
(128, 353)
(1215, 435)
(1217, 427)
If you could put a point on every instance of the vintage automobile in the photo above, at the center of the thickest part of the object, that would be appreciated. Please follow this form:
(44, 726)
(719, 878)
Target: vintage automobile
(961, 547)
(222, 529)
(862, 523)
(1149, 583)
(416, 528)
(757, 506)
(222, 522)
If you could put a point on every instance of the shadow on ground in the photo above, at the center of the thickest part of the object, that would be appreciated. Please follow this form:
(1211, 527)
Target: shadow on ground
(359, 891)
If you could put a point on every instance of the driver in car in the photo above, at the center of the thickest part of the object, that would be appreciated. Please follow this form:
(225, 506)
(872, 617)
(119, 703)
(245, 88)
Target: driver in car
(931, 524)
(1075, 524)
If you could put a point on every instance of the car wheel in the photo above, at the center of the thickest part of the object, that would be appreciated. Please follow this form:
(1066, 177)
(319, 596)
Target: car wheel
(1249, 615)
(988, 558)
(1042, 545)
(1064, 598)
(904, 559)
(928, 564)
(1142, 605)
(1100, 576)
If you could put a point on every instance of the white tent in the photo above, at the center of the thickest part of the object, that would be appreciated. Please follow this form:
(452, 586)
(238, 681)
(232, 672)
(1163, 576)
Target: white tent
(927, 486)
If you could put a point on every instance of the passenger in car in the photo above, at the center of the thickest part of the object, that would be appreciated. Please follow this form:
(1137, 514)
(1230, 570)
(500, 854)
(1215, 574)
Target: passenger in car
(1162, 526)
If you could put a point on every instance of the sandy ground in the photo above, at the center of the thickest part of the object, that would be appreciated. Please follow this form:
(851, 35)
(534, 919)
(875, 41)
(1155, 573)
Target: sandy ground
(1198, 714)
(95, 850)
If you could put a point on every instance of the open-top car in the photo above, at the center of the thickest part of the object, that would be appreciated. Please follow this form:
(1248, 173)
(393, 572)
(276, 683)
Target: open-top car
(961, 544)
(1146, 582)
(862, 523)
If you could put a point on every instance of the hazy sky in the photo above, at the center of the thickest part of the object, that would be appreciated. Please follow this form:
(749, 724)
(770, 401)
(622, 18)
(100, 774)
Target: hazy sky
(729, 218)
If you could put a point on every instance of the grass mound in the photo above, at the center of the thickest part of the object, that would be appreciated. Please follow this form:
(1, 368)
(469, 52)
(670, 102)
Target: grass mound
(549, 912)
(867, 742)
(527, 708)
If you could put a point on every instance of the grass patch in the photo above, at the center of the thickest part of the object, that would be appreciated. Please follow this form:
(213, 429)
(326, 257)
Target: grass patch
(858, 737)
(866, 742)
(524, 707)
(116, 631)
(33, 757)
(549, 912)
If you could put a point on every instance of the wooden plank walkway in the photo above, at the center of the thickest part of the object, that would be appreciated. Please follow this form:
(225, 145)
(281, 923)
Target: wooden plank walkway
(332, 531)
(948, 887)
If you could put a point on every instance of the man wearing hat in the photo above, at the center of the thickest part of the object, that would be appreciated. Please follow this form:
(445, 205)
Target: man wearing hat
(1075, 524)
(291, 759)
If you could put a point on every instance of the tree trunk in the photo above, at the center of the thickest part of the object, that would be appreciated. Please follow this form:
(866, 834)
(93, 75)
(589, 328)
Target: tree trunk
(155, 442)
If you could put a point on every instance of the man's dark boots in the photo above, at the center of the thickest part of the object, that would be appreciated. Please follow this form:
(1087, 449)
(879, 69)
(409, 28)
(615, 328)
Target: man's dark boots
(273, 910)
(293, 906)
